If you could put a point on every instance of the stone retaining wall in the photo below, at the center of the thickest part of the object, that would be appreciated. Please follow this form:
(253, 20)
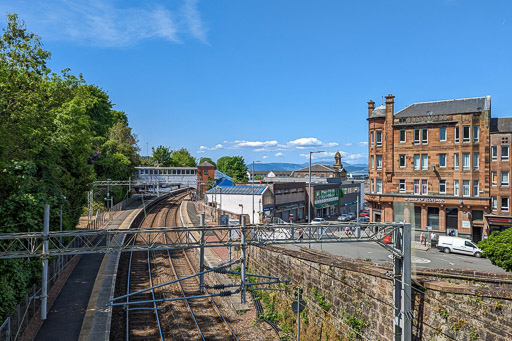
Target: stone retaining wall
(347, 297)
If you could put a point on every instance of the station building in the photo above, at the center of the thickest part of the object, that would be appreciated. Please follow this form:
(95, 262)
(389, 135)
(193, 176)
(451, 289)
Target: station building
(430, 165)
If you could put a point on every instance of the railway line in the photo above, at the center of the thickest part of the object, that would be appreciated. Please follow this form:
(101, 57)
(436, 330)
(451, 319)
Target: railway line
(186, 319)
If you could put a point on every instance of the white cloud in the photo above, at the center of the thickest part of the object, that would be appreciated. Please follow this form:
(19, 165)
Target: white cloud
(264, 157)
(348, 144)
(329, 156)
(203, 149)
(279, 154)
(253, 144)
(363, 143)
(107, 23)
(309, 142)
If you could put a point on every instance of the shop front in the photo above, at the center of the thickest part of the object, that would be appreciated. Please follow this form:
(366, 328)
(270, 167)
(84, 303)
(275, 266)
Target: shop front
(327, 202)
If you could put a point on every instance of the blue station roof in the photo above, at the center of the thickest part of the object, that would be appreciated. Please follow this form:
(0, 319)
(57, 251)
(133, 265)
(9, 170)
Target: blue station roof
(238, 190)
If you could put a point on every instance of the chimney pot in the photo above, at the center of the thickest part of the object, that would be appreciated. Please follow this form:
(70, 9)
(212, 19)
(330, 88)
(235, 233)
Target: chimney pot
(390, 99)
(371, 107)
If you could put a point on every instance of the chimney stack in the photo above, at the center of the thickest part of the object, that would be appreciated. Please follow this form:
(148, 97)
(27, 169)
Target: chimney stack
(371, 107)
(390, 106)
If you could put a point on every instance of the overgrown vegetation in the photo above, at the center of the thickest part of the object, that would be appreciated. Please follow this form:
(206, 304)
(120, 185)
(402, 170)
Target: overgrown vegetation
(58, 134)
(498, 248)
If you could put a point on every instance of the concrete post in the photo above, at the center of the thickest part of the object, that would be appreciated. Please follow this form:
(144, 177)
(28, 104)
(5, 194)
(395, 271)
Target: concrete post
(244, 259)
(201, 254)
(44, 290)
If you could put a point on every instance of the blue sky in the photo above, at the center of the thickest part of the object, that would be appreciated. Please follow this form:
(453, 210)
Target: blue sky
(272, 80)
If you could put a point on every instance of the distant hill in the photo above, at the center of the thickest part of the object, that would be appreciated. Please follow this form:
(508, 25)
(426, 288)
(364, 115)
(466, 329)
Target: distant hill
(282, 166)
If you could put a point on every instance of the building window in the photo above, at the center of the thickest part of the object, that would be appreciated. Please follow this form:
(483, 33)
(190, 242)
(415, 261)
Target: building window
(475, 161)
(494, 178)
(373, 161)
(475, 133)
(379, 161)
(494, 203)
(416, 161)
(205, 171)
(424, 187)
(401, 185)
(442, 186)
(456, 161)
(456, 187)
(416, 136)
(401, 160)
(494, 153)
(371, 138)
(379, 186)
(504, 153)
(465, 188)
(504, 203)
(476, 188)
(456, 134)
(465, 161)
(465, 133)
(378, 137)
(424, 161)
(372, 187)
(442, 134)
(424, 136)
(402, 136)
(442, 160)
(416, 186)
(504, 179)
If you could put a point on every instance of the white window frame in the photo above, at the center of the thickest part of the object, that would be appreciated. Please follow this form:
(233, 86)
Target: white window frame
(379, 162)
(442, 183)
(424, 187)
(494, 153)
(371, 138)
(465, 138)
(423, 139)
(505, 178)
(476, 188)
(494, 203)
(400, 135)
(494, 178)
(442, 157)
(505, 207)
(466, 190)
(378, 186)
(456, 187)
(456, 134)
(505, 157)
(416, 187)
(417, 140)
(424, 161)
(417, 161)
(456, 161)
(400, 158)
(442, 129)
(377, 134)
(402, 185)
(476, 161)
(466, 161)
(475, 133)
(372, 158)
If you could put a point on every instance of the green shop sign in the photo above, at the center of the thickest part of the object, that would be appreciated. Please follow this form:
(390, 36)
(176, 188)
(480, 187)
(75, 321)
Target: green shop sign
(327, 197)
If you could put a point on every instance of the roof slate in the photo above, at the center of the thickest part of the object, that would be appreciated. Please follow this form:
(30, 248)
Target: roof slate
(501, 124)
(240, 190)
(453, 106)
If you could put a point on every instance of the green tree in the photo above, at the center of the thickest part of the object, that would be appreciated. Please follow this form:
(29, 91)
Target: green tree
(498, 248)
(207, 159)
(182, 158)
(233, 166)
(162, 156)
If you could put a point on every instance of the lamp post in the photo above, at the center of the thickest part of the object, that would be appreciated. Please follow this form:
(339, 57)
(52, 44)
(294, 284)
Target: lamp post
(252, 190)
(242, 206)
(309, 194)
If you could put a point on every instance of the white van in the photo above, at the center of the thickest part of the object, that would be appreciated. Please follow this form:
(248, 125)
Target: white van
(458, 245)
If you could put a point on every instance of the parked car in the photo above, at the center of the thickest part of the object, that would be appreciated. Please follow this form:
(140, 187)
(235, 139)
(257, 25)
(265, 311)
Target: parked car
(364, 213)
(464, 246)
(318, 221)
(352, 215)
(344, 217)
(363, 220)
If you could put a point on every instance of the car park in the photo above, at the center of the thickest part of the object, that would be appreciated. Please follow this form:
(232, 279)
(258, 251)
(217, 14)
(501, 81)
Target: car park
(463, 246)
(318, 221)
(344, 217)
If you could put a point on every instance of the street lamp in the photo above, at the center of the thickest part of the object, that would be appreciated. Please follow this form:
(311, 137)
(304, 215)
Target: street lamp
(309, 194)
(252, 190)
(242, 206)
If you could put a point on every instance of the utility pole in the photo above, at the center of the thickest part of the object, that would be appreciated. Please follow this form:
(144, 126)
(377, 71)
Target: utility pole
(44, 289)
(201, 254)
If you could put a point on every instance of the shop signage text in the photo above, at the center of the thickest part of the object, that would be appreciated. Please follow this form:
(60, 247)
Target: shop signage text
(424, 199)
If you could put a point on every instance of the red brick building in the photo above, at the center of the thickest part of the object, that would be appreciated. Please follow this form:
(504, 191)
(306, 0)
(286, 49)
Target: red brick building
(205, 173)
(429, 164)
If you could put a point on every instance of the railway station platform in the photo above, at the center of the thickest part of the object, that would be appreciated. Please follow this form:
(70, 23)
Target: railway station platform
(79, 311)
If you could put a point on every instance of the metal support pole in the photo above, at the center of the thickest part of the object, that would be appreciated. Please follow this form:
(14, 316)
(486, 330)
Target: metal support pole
(357, 217)
(397, 288)
(298, 314)
(252, 191)
(244, 260)
(201, 254)
(60, 238)
(406, 279)
(309, 201)
(44, 290)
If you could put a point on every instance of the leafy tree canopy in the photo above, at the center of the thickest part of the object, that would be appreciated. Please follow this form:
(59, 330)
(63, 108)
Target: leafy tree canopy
(182, 158)
(498, 248)
(233, 166)
(207, 159)
(162, 156)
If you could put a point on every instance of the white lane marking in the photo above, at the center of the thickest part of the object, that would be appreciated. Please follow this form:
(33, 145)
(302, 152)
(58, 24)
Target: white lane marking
(444, 260)
(416, 260)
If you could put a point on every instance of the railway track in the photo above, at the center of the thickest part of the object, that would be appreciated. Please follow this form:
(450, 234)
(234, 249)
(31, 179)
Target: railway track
(193, 319)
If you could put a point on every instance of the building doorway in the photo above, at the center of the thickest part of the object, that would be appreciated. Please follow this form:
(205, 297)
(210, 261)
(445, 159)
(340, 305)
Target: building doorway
(476, 234)
(452, 218)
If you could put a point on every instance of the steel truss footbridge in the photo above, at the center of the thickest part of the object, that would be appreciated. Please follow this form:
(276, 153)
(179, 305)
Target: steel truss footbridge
(47, 244)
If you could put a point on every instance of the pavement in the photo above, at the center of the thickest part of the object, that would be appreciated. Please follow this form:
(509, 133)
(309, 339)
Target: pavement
(66, 315)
